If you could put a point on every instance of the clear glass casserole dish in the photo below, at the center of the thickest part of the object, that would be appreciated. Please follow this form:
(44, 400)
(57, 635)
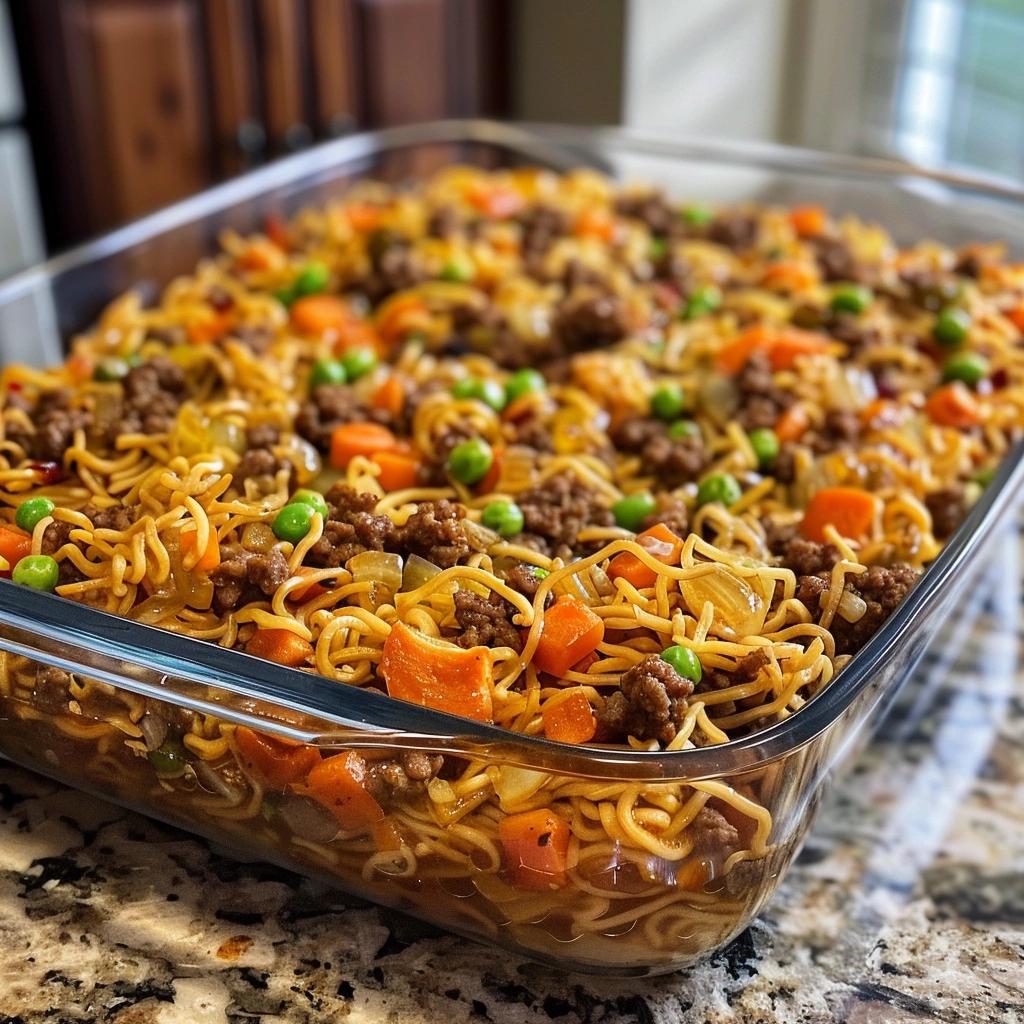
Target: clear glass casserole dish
(632, 911)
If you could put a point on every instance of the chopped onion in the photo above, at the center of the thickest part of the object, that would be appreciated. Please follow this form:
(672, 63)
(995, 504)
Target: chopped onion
(441, 792)
(326, 479)
(480, 537)
(852, 607)
(737, 605)
(602, 584)
(718, 397)
(514, 785)
(308, 460)
(214, 782)
(225, 434)
(381, 567)
(258, 537)
(307, 819)
(154, 730)
(418, 571)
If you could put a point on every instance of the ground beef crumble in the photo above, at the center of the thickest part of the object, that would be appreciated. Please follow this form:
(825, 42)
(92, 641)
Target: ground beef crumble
(486, 622)
(435, 531)
(883, 589)
(328, 407)
(153, 393)
(352, 527)
(650, 705)
(948, 508)
(556, 510)
(246, 576)
(761, 402)
(397, 777)
(589, 321)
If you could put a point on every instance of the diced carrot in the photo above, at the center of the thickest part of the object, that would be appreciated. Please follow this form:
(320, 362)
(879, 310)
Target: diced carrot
(80, 366)
(792, 343)
(364, 217)
(310, 590)
(386, 834)
(390, 396)
(536, 849)
(359, 438)
(490, 481)
(276, 229)
(494, 200)
(792, 424)
(789, 276)
(210, 558)
(399, 469)
(660, 542)
(274, 762)
(953, 405)
(401, 315)
(782, 345)
(881, 412)
(357, 334)
(339, 784)
(15, 544)
(318, 314)
(210, 328)
(570, 720)
(692, 874)
(1016, 317)
(436, 674)
(280, 645)
(594, 224)
(808, 221)
(570, 631)
(260, 254)
(849, 509)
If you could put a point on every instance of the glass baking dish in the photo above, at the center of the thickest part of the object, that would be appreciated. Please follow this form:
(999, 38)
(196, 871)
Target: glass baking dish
(620, 908)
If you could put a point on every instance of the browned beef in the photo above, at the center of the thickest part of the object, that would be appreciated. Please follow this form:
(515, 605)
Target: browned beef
(435, 531)
(541, 226)
(50, 692)
(262, 435)
(761, 402)
(555, 511)
(588, 321)
(523, 578)
(650, 208)
(808, 557)
(352, 527)
(55, 424)
(650, 704)
(735, 230)
(883, 589)
(246, 576)
(328, 407)
(152, 394)
(671, 512)
(948, 508)
(393, 266)
(836, 260)
(841, 429)
(395, 778)
(713, 834)
(485, 622)
(258, 462)
(117, 517)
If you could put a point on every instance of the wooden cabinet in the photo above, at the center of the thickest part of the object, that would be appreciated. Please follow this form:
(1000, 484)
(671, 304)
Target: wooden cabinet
(132, 104)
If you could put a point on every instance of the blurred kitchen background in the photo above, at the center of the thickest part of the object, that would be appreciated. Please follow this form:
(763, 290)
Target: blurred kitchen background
(111, 108)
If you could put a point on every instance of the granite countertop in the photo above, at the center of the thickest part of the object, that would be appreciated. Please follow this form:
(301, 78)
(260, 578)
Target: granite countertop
(906, 904)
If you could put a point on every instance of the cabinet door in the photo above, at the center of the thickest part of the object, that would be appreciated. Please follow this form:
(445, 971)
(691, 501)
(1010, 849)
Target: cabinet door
(149, 101)
(334, 46)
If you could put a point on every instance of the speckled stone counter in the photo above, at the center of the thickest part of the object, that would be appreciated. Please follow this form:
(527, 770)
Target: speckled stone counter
(907, 903)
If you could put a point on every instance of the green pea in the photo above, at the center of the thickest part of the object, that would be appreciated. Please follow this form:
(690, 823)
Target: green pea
(683, 428)
(312, 278)
(658, 249)
(504, 517)
(327, 371)
(111, 369)
(358, 362)
(668, 402)
(970, 367)
(314, 499)
(459, 269)
(168, 759)
(40, 572)
(539, 572)
(765, 444)
(292, 522)
(984, 475)
(951, 326)
(524, 382)
(631, 511)
(470, 461)
(32, 511)
(286, 296)
(702, 302)
(697, 215)
(490, 392)
(851, 298)
(719, 487)
(684, 661)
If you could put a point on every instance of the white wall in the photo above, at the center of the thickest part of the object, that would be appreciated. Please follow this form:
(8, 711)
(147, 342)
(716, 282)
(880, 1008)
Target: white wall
(713, 67)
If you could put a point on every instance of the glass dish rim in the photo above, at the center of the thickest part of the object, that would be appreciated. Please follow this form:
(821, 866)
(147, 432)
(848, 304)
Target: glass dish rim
(370, 719)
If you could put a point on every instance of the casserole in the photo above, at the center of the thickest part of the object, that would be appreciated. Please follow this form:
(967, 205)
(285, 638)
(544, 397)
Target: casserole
(777, 773)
